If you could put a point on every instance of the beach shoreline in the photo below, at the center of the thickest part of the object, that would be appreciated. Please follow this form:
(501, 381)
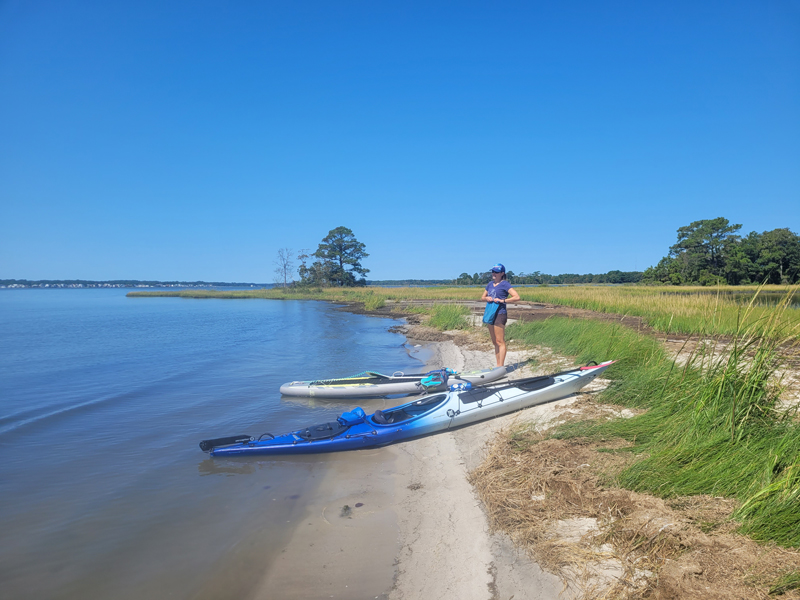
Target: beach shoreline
(403, 522)
(447, 547)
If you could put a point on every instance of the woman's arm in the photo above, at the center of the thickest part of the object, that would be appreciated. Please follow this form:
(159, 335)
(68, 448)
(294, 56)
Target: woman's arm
(486, 297)
(513, 296)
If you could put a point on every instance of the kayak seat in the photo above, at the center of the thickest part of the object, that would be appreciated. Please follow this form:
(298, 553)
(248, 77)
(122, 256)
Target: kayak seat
(387, 418)
(380, 418)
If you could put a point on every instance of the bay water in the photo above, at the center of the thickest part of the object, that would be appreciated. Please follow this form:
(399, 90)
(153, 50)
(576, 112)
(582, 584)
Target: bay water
(104, 492)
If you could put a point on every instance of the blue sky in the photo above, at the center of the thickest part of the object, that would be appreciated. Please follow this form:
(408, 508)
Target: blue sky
(192, 140)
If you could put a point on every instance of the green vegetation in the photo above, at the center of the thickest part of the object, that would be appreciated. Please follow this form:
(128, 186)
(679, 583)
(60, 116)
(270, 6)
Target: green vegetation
(339, 257)
(373, 301)
(449, 316)
(788, 581)
(675, 310)
(539, 278)
(713, 425)
(709, 252)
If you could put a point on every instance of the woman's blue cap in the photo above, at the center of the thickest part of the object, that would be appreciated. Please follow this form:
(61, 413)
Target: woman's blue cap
(498, 268)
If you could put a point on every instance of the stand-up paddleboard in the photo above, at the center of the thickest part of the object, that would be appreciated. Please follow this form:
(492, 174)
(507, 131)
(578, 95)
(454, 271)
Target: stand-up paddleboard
(370, 384)
(429, 414)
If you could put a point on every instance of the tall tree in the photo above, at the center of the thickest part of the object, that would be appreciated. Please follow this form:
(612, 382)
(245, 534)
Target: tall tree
(340, 255)
(284, 265)
(779, 256)
(700, 250)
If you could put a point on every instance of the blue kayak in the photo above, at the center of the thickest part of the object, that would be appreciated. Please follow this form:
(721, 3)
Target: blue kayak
(432, 413)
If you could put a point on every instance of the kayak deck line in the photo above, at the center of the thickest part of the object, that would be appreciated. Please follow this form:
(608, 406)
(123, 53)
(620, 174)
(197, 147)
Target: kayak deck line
(461, 405)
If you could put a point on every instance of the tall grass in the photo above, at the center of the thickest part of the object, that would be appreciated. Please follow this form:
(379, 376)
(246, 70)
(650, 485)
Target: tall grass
(714, 425)
(374, 301)
(678, 310)
(449, 316)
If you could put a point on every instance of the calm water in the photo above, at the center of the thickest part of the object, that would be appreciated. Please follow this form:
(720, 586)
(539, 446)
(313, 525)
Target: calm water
(103, 400)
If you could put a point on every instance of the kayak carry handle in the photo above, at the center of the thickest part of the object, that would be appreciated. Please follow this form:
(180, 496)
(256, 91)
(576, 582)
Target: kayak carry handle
(208, 445)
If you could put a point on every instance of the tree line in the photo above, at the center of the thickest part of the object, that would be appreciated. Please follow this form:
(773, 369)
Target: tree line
(711, 252)
(707, 252)
(538, 278)
(337, 263)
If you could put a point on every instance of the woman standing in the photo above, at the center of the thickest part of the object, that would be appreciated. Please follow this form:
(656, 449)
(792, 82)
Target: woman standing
(500, 291)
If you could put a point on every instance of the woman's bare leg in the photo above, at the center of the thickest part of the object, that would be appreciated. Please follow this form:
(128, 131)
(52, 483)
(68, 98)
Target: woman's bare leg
(498, 335)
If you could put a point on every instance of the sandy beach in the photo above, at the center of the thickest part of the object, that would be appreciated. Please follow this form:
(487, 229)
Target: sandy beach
(403, 522)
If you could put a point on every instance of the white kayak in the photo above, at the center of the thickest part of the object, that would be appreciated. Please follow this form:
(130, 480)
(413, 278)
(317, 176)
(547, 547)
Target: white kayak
(370, 384)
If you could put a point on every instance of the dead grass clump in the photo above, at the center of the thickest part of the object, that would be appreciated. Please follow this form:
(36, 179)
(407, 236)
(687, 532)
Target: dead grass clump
(555, 499)
(527, 484)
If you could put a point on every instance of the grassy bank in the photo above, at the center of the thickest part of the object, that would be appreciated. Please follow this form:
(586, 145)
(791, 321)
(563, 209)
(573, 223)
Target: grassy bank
(713, 425)
(447, 317)
(677, 310)
(691, 310)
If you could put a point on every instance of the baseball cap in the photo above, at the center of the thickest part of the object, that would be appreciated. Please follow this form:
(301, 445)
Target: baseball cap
(498, 268)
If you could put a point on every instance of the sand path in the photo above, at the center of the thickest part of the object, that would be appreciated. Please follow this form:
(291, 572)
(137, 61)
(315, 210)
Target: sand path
(446, 547)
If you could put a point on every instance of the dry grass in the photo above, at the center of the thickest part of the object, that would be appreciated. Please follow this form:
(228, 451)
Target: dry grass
(556, 499)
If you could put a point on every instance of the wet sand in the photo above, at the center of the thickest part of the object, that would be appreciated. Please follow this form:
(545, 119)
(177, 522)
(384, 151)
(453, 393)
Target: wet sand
(345, 544)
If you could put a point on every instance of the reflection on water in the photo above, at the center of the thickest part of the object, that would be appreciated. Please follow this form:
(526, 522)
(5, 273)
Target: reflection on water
(340, 405)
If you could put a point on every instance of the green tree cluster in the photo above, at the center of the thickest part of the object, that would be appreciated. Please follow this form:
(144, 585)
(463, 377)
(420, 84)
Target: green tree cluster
(538, 278)
(338, 261)
(710, 252)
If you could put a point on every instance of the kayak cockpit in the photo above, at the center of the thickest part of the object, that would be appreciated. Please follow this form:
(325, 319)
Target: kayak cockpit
(409, 411)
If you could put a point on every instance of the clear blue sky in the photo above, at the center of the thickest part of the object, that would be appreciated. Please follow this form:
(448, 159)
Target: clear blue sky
(191, 140)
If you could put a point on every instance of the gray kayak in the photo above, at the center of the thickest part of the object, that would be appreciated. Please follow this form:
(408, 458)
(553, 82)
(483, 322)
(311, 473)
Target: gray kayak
(370, 384)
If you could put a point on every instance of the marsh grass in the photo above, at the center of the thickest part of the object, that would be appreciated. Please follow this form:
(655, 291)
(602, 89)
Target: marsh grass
(374, 301)
(677, 310)
(713, 425)
(446, 317)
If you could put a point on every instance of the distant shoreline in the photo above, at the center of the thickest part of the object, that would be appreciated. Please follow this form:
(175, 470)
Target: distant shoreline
(119, 283)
